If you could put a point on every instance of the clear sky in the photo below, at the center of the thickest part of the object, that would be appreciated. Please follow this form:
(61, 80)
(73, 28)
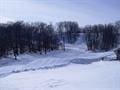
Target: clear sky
(83, 11)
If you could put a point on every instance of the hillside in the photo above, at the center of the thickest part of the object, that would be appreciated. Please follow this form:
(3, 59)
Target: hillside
(79, 68)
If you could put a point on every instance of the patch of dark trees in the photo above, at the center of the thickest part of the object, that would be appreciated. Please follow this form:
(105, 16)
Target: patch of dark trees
(68, 31)
(20, 37)
(101, 37)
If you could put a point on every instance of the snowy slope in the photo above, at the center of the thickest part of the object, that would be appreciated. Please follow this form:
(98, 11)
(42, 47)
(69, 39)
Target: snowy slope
(80, 70)
(73, 54)
(103, 75)
(81, 39)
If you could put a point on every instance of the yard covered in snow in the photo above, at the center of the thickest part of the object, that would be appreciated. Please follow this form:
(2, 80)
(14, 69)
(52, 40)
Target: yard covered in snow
(80, 70)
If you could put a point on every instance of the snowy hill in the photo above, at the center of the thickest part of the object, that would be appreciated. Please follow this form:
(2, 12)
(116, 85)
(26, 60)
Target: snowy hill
(73, 54)
(79, 68)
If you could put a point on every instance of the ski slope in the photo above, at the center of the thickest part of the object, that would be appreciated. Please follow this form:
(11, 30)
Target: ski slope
(79, 70)
(73, 54)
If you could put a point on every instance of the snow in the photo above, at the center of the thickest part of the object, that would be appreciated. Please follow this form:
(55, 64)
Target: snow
(73, 54)
(79, 69)
(103, 75)
(81, 39)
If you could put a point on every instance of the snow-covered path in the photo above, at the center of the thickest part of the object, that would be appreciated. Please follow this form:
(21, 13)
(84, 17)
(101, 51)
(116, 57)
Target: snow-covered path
(27, 62)
(103, 75)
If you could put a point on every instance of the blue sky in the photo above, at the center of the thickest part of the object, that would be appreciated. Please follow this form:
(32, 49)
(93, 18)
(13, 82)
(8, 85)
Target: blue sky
(83, 11)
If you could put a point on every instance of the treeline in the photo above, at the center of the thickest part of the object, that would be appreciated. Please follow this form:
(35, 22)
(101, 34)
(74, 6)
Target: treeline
(101, 37)
(68, 31)
(19, 37)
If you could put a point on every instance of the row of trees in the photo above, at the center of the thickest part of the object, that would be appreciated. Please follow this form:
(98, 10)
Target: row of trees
(102, 37)
(19, 37)
(68, 31)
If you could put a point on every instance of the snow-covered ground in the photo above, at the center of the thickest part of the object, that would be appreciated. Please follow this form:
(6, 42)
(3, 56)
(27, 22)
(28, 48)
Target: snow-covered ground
(73, 54)
(80, 69)
(103, 75)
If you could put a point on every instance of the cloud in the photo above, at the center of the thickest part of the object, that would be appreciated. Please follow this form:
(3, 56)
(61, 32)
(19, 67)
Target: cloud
(82, 11)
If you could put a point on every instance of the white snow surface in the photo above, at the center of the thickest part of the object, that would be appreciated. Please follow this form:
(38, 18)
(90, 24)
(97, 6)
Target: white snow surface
(103, 75)
(80, 70)
(73, 54)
